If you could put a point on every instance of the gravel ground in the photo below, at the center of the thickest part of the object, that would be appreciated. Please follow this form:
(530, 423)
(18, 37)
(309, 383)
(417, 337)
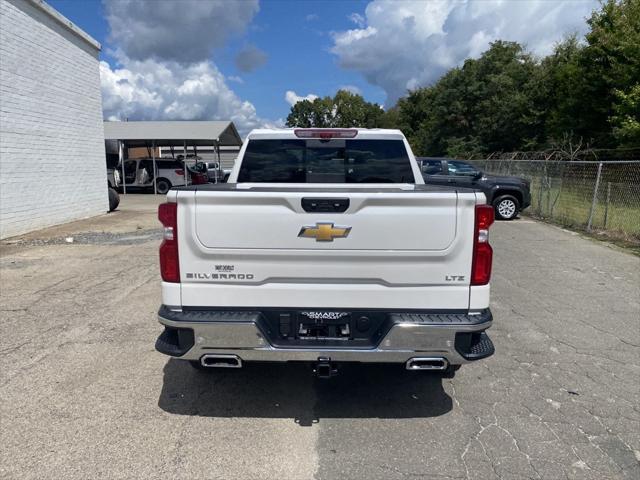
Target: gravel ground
(84, 394)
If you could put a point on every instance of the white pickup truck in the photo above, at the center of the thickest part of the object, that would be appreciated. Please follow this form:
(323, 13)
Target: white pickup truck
(325, 246)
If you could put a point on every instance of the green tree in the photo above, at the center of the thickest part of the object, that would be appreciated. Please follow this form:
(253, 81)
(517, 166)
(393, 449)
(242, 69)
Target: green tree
(390, 118)
(626, 120)
(301, 115)
(343, 110)
(485, 105)
(559, 90)
(412, 117)
(610, 63)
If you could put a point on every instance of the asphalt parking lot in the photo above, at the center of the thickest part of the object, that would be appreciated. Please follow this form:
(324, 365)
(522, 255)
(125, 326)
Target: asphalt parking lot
(85, 395)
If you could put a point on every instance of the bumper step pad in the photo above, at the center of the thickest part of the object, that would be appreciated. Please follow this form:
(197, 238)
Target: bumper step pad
(474, 346)
(442, 318)
(175, 341)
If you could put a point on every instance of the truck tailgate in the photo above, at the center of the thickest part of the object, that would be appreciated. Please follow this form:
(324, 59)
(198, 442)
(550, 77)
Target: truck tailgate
(248, 244)
(390, 221)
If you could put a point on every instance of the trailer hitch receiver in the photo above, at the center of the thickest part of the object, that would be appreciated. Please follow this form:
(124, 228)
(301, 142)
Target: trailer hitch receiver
(324, 368)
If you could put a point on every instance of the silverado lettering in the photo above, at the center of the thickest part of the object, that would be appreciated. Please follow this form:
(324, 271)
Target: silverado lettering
(220, 276)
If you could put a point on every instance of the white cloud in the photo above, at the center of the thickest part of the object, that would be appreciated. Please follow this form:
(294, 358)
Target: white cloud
(164, 69)
(250, 58)
(358, 19)
(153, 90)
(292, 98)
(311, 17)
(186, 31)
(401, 45)
(235, 79)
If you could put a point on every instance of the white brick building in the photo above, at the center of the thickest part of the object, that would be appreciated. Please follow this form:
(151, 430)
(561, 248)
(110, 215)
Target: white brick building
(52, 157)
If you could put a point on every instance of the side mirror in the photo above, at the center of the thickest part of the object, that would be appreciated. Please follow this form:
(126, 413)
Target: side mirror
(478, 175)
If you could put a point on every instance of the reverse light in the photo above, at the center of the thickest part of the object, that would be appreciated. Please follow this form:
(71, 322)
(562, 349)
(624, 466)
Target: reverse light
(482, 251)
(169, 262)
(325, 132)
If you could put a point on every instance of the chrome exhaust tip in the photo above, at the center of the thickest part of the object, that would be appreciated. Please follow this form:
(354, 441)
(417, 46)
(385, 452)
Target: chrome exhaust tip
(427, 363)
(220, 361)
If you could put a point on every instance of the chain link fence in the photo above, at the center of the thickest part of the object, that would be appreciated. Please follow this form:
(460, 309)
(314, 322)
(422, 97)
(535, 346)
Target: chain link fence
(601, 197)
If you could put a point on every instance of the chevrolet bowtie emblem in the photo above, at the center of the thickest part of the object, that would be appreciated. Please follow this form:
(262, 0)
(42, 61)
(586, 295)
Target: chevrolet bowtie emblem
(324, 232)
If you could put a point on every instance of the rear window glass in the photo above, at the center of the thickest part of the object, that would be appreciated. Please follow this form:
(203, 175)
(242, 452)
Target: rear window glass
(326, 161)
(169, 164)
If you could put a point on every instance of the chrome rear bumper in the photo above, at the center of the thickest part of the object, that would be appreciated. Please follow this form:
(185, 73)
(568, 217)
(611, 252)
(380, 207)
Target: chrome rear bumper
(237, 333)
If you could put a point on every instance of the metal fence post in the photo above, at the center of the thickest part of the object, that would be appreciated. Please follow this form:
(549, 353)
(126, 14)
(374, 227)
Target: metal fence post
(606, 207)
(595, 197)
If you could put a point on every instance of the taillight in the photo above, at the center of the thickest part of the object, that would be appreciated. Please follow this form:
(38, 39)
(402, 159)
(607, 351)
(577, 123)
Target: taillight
(179, 171)
(325, 132)
(482, 251)
(169, 264)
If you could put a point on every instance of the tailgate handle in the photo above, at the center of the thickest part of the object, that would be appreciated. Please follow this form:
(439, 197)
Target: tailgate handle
(331, 205)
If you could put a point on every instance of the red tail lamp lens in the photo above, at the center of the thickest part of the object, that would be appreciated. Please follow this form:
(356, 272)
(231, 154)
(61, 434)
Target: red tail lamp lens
(169, 262)
(482, 251)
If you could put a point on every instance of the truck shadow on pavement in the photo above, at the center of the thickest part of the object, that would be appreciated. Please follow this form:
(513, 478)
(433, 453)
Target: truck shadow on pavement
(291, 391)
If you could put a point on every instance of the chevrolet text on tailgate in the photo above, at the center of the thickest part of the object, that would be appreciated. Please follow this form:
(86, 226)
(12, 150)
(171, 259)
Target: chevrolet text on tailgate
(326, 247)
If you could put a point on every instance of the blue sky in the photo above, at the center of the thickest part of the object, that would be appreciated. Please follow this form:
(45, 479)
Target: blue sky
(211, 59)
(295, 35)
(299, 56)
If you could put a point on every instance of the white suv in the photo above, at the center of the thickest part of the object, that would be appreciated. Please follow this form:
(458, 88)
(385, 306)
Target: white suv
(138, 173)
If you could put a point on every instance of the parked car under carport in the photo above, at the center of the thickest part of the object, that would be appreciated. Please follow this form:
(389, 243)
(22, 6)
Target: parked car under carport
(177, 136)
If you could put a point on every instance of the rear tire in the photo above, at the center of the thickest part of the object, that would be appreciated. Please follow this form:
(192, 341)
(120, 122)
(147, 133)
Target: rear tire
(114, 199)
(163, 186)
(506, 207)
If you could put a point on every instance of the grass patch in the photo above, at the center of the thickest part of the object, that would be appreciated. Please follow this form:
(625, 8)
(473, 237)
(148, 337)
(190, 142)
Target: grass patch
(570, 205)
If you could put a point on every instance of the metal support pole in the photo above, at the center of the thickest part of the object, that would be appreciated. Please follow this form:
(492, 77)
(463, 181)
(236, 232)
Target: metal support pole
(219, 174)
(121, 160)
(155, 171)
(606, 207)
(595, 198)
(184, 163)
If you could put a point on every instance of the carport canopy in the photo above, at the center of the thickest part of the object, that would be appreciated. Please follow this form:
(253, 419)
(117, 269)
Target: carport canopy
(174, 133)
(221, 133)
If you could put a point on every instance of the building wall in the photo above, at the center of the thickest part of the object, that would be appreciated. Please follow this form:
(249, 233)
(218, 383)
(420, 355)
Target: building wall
(52, 155)
(142, 152)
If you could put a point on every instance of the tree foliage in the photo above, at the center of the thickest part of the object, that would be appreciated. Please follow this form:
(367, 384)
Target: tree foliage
(626, 120)
(343, 110)
(484, 105)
